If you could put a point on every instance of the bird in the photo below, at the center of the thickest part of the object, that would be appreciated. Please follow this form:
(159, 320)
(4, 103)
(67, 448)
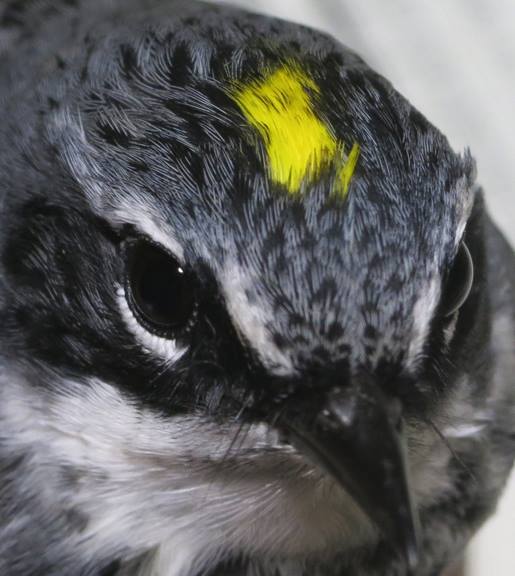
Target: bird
(255, 318)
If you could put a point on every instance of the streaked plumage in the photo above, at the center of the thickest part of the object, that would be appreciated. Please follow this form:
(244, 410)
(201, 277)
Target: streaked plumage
(132, 132)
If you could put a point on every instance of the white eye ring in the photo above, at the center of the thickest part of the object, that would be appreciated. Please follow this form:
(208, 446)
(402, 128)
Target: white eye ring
(166, 349)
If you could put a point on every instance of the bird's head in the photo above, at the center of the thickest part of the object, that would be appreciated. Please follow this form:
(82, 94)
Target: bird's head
(235, 259)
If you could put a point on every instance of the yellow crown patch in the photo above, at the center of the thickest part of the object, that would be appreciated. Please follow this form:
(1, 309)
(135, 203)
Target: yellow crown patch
(299, 145)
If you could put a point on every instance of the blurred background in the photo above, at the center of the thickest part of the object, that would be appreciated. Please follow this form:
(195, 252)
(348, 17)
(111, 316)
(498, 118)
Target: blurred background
(455, 61)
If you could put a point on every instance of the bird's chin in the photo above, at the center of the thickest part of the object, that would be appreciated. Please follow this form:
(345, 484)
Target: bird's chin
(266, 499)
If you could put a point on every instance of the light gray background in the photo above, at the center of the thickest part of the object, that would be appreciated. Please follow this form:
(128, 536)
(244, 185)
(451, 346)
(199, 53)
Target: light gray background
(455, 61)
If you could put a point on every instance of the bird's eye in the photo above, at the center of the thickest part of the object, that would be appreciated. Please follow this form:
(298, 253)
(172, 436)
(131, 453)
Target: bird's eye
(160, 291)
(458, 283)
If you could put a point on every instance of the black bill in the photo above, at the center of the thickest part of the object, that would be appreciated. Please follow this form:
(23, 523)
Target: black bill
(356, 436)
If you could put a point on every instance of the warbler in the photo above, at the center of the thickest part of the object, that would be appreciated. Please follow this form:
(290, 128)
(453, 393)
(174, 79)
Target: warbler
(255, 318)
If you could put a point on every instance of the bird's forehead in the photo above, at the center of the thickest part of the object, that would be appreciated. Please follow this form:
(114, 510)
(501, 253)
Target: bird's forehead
(221, 137)
(321, 200)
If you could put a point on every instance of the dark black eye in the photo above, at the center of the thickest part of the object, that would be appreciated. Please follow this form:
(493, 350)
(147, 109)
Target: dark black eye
(458, 283)
(160, 292)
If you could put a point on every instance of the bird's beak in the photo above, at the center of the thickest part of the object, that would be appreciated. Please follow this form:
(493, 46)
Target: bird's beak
(355, 435)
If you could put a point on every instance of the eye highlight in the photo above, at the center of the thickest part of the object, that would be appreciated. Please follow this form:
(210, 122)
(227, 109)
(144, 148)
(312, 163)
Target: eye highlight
(160, 291)
(458, 282)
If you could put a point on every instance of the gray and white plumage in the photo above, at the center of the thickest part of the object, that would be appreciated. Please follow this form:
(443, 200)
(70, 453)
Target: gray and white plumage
(126, 452)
